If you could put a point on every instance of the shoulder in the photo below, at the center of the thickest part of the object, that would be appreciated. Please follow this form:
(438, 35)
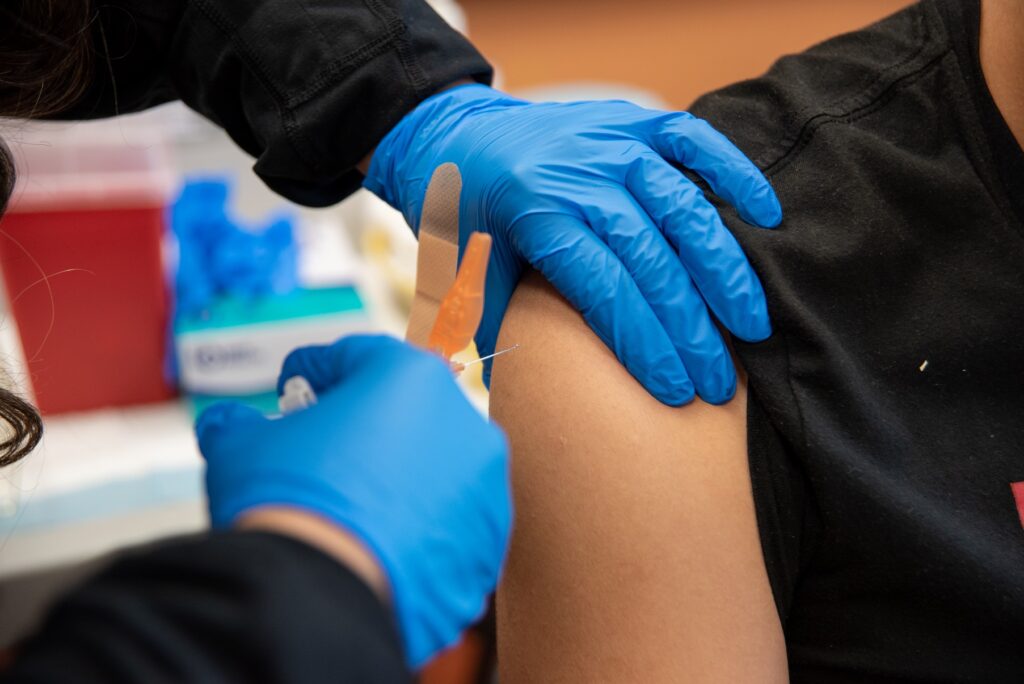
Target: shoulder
(856, 135)
(770, 116)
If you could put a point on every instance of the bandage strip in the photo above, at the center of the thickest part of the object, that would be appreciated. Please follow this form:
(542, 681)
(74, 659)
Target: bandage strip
(438, 255)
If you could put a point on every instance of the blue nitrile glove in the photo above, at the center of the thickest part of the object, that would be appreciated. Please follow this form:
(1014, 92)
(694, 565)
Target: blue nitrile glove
(587, 194)
(392, 452)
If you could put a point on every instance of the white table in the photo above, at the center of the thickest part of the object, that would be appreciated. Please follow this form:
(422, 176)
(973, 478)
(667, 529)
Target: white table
(101, 481)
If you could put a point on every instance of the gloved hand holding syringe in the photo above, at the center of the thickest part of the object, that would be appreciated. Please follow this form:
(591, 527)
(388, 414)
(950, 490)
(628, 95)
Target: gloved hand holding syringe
(391, 452)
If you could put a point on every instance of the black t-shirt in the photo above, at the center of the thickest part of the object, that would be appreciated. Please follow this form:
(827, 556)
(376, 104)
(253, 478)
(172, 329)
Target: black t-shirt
(886, 420)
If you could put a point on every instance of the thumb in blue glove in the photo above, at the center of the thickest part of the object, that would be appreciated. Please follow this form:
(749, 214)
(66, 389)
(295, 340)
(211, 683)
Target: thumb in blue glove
(587, 193)
(393, 453)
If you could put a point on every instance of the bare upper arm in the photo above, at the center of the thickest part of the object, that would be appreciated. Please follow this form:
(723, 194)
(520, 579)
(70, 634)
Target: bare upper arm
(635, 556)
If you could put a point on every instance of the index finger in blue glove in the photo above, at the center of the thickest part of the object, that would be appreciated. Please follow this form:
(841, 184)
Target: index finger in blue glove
(503, 275)
(695, 144)
(222, 420)
(624, 226)
(325, 366)
(596, 283)
(709, 251)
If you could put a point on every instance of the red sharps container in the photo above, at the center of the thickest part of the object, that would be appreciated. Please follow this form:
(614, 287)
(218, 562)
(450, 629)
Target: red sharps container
(81, 256)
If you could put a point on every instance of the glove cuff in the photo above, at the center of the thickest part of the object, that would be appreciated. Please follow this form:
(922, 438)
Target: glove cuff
(407, 156)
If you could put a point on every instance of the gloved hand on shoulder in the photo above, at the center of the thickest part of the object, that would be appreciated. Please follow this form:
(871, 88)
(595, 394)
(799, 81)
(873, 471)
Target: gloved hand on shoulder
(586, 193)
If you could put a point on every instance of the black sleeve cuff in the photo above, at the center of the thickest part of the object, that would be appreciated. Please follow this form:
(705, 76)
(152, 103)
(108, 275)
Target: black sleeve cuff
(334, 130)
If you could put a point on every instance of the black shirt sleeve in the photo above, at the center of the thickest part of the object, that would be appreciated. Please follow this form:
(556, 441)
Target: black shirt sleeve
(231, 607)
(308, 87)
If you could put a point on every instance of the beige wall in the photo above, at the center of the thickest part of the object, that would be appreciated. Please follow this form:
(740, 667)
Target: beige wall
(678, 49)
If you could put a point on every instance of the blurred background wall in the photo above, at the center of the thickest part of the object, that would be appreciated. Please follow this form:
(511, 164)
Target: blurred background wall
(677, 49)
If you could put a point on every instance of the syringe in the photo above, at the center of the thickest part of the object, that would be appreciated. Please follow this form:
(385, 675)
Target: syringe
(459, 367)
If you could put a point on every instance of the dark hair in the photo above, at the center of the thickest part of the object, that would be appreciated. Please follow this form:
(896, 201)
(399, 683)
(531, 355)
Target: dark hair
(45, 62)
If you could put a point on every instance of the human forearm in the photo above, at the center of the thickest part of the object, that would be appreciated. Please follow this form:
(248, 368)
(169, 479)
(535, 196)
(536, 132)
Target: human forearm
(312, 529)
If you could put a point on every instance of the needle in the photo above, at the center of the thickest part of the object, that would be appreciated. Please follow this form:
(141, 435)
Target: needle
(491, 356)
